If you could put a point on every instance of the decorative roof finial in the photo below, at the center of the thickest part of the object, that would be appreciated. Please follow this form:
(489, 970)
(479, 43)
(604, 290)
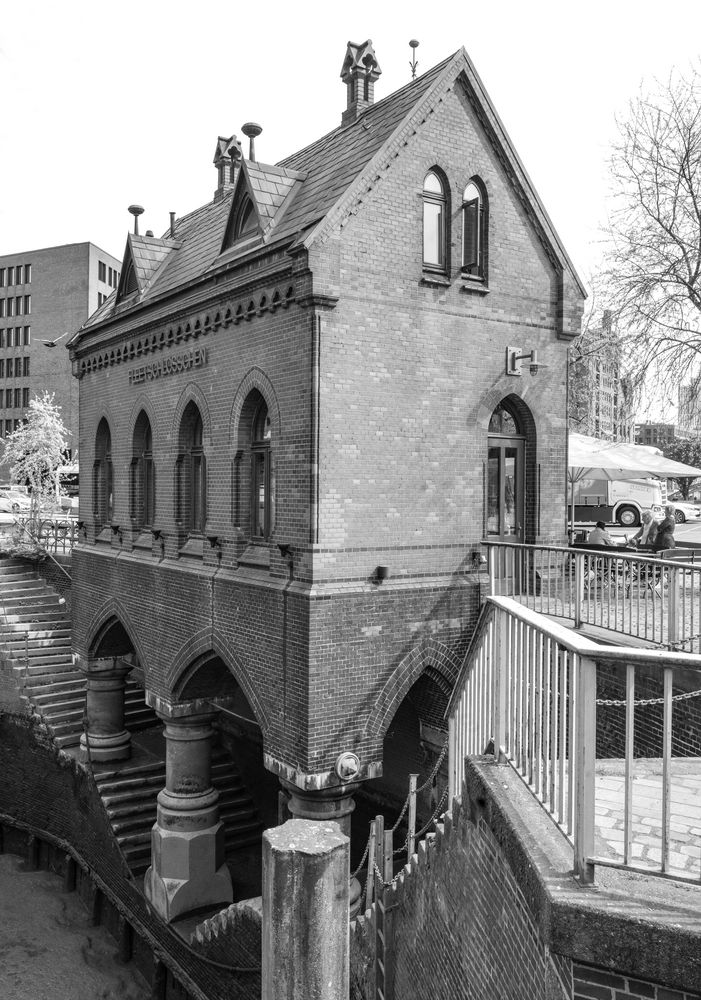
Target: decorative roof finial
(414, 63)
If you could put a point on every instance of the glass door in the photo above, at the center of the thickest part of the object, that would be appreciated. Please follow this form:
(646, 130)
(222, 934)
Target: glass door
(505, 506)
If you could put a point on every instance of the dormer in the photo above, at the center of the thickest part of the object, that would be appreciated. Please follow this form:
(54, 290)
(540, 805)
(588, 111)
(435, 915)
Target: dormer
(261, 196)
(143, 258)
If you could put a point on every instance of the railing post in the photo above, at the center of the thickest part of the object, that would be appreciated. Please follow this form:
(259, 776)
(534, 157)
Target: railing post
(578, 588)
(500, 687)
(585, 769)
(411, 822)
(673, 606)
(493, 556)
(369, 884)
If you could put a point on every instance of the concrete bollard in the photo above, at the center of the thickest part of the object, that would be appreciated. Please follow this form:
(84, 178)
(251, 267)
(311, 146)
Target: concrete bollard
(305, 912)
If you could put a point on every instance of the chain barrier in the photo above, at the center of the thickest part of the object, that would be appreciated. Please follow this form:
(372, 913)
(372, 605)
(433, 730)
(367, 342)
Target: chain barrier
(618, 703)
(362, 860)
(680, 643)
(433, 774)
(436, 813)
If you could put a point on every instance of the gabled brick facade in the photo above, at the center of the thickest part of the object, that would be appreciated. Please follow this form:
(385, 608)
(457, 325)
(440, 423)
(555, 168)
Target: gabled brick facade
(379, 377)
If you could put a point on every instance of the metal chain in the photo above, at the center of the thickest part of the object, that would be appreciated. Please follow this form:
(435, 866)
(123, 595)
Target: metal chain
(436, 811)
(433, 774)
(404, 809)
(682, 642)
(617, 703)
(362, 860)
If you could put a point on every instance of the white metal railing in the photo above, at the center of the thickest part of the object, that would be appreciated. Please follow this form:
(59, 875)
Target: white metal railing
(528, 691)
(652, 598)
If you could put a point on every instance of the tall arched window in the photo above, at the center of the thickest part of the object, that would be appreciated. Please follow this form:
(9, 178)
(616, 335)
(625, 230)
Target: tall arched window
(102, 476)
(435, 224)
(143, 480)
(505, 476)
(474, 231)
(191, 473)
(260, 472)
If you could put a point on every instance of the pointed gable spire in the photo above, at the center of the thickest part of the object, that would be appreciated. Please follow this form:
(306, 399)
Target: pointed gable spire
(359, 71)
(227, 159)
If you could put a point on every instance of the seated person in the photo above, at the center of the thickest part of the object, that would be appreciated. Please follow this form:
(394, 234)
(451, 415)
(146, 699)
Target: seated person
(647, 532)
(600, 536)
(665, 530)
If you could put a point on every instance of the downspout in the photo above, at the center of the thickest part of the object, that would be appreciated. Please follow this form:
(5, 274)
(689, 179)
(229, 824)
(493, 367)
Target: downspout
(314, 437)
(570, 537)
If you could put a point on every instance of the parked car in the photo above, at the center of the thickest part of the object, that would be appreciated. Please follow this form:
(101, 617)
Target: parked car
(685, 511)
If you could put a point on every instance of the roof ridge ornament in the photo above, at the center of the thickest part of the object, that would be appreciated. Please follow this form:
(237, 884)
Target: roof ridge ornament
(359, 72)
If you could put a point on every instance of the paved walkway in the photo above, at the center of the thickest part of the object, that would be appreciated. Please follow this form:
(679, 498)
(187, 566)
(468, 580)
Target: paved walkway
(685, 814)
(48, 951)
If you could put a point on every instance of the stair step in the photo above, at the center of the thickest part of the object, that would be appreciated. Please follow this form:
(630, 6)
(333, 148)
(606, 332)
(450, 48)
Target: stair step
(50, 685)
(133, 795)
(65, 728)
(70, 693)
(141, 782)
(67, 740)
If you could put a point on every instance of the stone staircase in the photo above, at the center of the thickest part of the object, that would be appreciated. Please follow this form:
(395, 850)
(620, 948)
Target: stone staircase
(129, 792)
(35, 631)
(35, 636)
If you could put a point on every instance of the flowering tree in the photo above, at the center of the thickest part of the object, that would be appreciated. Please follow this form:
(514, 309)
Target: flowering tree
(35, 451)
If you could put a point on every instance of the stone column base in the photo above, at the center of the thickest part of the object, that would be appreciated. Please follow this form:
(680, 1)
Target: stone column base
(188, 871)
(116, 746)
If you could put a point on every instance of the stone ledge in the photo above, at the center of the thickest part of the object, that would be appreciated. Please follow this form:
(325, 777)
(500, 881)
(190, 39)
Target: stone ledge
(642, 926)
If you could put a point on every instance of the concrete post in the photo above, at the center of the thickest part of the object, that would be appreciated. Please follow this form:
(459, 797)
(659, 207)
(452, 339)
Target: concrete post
(188, 867)
(334, 803)
(104, 708)
(305, 912)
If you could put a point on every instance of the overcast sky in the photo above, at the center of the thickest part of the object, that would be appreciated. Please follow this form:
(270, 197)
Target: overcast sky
(109, 104)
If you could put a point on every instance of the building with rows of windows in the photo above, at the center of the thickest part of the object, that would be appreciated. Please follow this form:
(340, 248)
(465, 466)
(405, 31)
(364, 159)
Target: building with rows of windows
(44, 295)
(304, 408)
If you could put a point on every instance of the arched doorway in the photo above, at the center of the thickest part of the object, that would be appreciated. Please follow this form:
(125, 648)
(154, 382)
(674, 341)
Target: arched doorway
(506, 476)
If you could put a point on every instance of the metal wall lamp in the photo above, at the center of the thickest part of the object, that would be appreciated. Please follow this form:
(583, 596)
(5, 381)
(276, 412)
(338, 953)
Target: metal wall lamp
(380, 575)
(117, 530)
(514, 357)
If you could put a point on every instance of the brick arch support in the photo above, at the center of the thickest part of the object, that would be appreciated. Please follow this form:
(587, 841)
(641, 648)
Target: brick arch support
(210, 641)
(429, 654)
(255, 378)
(145, 403)
(192, 393)
(110, 613)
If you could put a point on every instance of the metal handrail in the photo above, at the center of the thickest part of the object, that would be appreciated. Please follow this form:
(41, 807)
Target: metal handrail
(527, 690)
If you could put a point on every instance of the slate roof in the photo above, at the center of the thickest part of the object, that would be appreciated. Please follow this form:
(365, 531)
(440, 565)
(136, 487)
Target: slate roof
(298, 193)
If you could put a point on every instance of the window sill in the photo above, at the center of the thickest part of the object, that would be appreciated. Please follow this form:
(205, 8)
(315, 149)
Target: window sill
(104, 536)
(143, 541)
(435, 280)
(255, 556)
(193, 548)
(476, 285)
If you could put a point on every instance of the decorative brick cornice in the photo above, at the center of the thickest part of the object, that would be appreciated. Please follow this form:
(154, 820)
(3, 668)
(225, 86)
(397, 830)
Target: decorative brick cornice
(177, 333)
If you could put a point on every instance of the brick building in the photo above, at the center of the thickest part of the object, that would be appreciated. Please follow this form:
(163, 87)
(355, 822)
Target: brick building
(45, 295)
(303, 409)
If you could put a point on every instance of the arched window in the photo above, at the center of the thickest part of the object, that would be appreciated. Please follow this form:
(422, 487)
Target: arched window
(435, 228)
(474, 231)
(505, 476)
(260, 472)
(191, 473)
(102, 476)
(142, 479)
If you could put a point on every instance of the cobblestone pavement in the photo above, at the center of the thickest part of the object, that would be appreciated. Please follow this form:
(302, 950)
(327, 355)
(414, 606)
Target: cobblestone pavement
(685, 814)
(48, 951)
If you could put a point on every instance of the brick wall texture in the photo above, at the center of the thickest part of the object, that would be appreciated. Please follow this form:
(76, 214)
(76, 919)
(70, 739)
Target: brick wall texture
(462, 928)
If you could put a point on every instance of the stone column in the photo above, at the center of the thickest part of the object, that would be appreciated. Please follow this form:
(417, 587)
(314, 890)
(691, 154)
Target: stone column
(104, 708)
(305, 912)
(324, 805)
(188, 868)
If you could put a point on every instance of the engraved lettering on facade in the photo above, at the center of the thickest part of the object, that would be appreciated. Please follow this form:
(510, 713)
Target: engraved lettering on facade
(195, 358)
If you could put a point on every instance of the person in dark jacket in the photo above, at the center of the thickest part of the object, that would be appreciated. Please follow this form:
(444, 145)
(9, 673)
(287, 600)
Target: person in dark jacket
(665, 530)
